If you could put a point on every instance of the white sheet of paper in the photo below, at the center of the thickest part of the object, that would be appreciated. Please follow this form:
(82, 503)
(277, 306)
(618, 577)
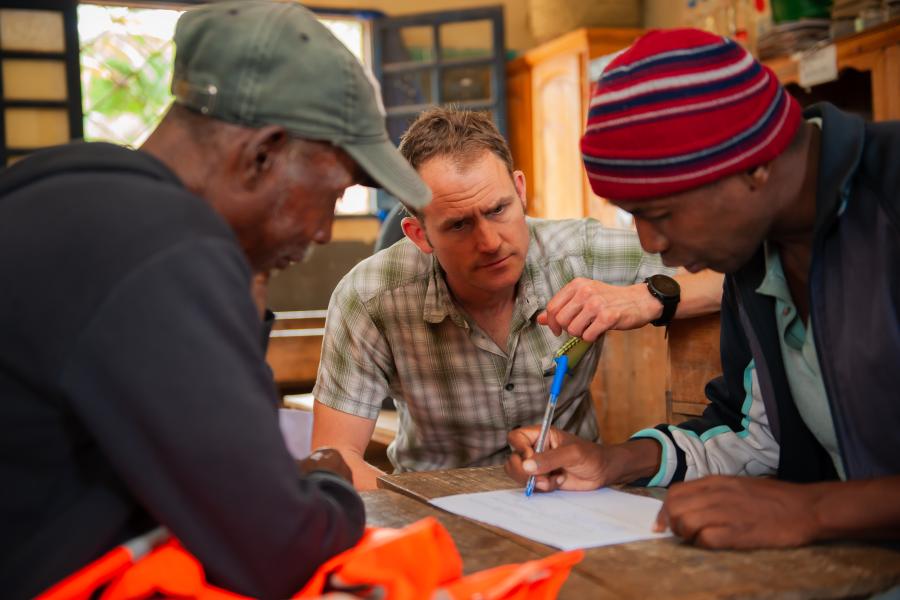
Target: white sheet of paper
(296, 428)
(564, 520)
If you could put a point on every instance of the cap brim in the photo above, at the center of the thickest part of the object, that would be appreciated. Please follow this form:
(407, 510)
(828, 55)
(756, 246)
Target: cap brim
(389, 170)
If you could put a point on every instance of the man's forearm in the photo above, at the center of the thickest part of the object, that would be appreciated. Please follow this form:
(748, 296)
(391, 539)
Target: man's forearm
(365, 476)
(866, 509)
(701, 293)
(634, 459)
(348, 434)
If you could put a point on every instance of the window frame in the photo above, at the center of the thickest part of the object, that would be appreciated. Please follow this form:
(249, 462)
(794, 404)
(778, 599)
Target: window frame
(497, 61)
(70, 58)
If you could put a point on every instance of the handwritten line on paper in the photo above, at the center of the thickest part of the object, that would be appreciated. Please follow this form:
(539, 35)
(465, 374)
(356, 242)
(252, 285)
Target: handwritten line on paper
(564, 520)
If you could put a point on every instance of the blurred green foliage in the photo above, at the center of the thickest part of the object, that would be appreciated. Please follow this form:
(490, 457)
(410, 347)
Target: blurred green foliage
(125, 78)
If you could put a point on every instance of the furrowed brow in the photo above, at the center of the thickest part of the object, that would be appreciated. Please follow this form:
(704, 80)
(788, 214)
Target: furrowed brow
(501, 202)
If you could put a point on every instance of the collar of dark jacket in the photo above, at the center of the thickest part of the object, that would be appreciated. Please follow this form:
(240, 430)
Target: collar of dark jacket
(88, 157)
(843, 135)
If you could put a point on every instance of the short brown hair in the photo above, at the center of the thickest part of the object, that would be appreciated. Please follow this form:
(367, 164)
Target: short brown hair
(461, 135)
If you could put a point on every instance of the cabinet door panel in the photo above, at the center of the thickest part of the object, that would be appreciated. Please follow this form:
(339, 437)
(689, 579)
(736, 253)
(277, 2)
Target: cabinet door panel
(557, 123)
(886, 85)
(518, 109)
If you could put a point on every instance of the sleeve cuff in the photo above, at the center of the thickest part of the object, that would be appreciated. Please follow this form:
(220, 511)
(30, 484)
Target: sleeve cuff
(345, 404)
(331, 478)
(343, 494)
(668, 462)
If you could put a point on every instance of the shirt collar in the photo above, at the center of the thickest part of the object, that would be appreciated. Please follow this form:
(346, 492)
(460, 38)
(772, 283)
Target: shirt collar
(438, 301)
(843, 137)
(534, 289)
(773, 283)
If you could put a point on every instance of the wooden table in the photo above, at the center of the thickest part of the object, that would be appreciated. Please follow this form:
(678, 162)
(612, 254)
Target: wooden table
(662, 568)
(479, 547)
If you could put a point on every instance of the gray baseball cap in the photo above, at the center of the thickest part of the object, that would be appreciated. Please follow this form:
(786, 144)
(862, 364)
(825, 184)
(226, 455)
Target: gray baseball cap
(264, 62)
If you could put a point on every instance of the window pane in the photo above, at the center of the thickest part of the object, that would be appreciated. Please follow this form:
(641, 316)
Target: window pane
(459, 84)
(404, 89)
(32, 30)
(36, 127)
(467, 39)
(397, 126)
(126, 69)
(357, 200)
(350, 32)
(408, 44)
(34, 79)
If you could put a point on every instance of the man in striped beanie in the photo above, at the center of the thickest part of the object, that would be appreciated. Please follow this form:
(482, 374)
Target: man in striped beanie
(722, 169)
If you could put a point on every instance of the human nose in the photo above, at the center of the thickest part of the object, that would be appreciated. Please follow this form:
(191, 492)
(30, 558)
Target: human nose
(487, 239)
(651, 239)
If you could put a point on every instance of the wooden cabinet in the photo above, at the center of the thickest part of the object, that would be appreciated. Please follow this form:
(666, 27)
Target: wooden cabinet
(548, 91)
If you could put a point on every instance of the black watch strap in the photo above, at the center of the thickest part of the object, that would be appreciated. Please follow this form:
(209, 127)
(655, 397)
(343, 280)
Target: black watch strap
(667, 291)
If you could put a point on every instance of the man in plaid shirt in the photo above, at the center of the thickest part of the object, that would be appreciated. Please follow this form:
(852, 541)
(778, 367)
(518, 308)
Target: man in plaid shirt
(458, 322)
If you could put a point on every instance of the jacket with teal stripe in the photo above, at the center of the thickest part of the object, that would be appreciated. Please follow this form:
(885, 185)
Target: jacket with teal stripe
(752, 425)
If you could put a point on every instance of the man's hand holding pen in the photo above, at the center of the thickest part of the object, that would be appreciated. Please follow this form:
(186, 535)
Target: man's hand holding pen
(569, 462)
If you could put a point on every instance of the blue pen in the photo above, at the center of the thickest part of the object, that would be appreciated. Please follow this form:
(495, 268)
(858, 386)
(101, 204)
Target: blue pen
(562, 365)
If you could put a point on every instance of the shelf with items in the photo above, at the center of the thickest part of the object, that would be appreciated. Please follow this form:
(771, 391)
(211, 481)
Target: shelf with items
(870, 57)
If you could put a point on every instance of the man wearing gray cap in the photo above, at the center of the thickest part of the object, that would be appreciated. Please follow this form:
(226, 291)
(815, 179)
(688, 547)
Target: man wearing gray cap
(133, 384)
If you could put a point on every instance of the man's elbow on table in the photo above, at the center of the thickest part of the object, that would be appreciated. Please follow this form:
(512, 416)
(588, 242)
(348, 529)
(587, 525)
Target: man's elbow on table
(349, 434)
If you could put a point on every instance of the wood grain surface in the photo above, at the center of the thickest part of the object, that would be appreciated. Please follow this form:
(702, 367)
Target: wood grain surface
(693, 360)
(480, 548)
(669, 568)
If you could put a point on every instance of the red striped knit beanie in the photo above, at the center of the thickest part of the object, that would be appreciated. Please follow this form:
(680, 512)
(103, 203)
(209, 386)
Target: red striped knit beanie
(679, 109)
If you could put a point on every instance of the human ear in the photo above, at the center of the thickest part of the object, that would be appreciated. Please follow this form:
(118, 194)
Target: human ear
(414, 229)
(260, 152)
(521, 188)
(758, 176)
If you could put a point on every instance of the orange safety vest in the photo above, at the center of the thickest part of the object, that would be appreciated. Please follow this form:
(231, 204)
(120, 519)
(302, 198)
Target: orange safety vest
(416, 562)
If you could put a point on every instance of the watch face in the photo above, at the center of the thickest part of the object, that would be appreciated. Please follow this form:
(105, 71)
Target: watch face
(665, 285)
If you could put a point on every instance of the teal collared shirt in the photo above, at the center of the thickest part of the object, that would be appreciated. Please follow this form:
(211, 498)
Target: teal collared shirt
(801, 364)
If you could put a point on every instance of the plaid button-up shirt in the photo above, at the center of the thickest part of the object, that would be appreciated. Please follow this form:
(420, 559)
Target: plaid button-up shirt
(394, 331)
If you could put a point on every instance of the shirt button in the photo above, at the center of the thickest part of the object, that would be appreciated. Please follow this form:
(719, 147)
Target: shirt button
(510, 387)
(786, 311)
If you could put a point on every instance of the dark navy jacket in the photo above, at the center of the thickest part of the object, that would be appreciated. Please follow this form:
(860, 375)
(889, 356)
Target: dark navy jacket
(752, 425)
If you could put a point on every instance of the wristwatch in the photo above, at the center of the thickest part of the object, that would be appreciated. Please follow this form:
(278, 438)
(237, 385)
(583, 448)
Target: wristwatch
(668, 292)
